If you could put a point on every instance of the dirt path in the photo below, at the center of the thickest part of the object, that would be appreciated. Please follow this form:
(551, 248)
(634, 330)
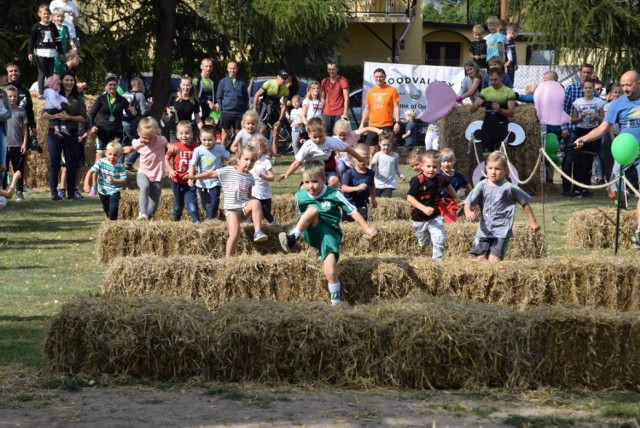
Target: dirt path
(28, 402)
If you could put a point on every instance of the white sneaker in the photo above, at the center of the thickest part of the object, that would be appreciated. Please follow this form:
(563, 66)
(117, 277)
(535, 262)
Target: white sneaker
(143, 217)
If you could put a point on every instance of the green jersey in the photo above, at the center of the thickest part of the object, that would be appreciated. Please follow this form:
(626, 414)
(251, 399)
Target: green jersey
(329, 204)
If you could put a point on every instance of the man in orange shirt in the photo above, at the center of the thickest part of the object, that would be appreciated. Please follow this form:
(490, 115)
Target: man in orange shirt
(382, 109)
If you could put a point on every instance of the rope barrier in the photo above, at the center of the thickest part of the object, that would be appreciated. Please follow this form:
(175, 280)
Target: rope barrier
(631, 186)
(533, 173)
(584, 186)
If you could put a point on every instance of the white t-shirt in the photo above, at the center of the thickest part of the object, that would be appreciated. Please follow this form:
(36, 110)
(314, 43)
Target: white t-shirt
(314, 107)
(591, 107)
(262, 189)
(352, 139)
(311, 151)
(68, 19)
(387, 167)
(295, 116)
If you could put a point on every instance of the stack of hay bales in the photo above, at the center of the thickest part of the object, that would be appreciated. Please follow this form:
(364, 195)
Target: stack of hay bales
(420, 342)
(38, 163)
(523, 157)
(593, 282)
(595, 228)
(164, 238)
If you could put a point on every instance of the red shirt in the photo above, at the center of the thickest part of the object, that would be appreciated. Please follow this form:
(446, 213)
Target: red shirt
(333, 96)
(181, 160)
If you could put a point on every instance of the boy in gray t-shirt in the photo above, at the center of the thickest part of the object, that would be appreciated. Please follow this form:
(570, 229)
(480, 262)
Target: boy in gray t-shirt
(497, 198)
(16, 131)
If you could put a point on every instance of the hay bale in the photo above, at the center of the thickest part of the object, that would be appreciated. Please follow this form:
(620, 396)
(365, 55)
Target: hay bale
(596, 227)
(523, 157)
(283, 208)
(163, 238)
(161, 338)
(38, 163)
(419, 342)
(593, 282)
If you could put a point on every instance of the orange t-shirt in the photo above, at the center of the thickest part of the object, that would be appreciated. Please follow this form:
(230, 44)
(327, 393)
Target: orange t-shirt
(380, 102)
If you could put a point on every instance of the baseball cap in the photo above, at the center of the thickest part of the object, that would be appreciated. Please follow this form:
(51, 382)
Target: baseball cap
(283, 73)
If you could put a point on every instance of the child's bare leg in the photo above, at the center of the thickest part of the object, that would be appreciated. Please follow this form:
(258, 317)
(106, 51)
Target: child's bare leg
(329, 267)
(333, 181)
(8, 193)
(308, 218)
(481, 257)
(63, 178)
(493, 258)
(233, 226)
(254, 209)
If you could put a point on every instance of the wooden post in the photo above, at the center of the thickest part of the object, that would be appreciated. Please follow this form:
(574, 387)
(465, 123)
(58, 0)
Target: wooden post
(503, 10)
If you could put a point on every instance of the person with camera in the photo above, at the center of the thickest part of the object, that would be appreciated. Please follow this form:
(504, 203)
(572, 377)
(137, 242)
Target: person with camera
(500, 102)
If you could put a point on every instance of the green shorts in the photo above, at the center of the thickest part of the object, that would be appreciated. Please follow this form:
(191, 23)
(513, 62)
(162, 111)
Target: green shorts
(325, 239)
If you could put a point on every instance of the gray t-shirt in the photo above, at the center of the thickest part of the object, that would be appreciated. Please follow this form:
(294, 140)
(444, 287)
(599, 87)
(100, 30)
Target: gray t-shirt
(13, 127)
(498, 207)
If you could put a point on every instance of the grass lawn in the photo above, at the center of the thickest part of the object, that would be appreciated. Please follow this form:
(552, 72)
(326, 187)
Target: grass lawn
(47, 256)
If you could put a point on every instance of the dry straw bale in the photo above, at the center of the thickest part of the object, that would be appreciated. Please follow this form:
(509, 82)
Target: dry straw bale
(419, 342)
(157, 338)
(38, 163)
(523, 157)
(164, 238)
(283, 208)
(608, 282)
(595, 228)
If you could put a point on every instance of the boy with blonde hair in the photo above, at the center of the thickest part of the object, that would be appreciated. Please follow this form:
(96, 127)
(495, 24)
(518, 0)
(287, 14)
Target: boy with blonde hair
(497, 198)
(478, 47)
(320, 207)
(495, 40)
(111, 177)
(359, 185)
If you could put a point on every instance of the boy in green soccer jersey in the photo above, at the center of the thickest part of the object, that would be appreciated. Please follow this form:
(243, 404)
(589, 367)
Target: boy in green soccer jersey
(320, 212)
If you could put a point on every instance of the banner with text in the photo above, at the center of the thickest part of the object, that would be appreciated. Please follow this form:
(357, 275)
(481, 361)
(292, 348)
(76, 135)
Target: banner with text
(411, 81)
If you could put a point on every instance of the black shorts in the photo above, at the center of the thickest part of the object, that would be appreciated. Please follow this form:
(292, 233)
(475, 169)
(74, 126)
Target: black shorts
(373, 138)
(490, 246)
(231, 120)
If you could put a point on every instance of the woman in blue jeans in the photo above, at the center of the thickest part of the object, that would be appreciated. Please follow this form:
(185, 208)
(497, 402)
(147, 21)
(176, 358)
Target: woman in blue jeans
(74, 114)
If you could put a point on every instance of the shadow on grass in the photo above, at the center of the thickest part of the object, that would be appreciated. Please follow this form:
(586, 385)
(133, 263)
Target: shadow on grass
(40, 225)
(21, 339)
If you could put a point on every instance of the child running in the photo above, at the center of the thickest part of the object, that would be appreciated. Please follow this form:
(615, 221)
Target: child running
(386, 165)
(320, 207)
(424, 197)
(448, 206)
(177, 163)
(497, 198)
(236, 185)
(9, 191)
(262, 173)
(322, 148)
(359, 184)
(111, 177)
(342, 130)
(250, 129)
(151, 146)
(209, 156)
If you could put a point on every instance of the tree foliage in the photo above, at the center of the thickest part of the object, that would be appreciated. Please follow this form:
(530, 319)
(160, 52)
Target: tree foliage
(604, 32)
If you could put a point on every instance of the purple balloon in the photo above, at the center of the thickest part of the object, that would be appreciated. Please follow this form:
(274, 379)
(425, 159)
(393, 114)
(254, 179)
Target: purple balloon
(440, 101)
(549, 99)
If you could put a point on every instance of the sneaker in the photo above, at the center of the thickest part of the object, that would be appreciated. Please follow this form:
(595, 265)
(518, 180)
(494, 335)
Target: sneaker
(19, 196)
(260, 237)
(64, 131)
(62, 194)
(143, 217)
(34, 145)
(574, 194)
(636, 239)
(287, 241)
(130, 168)
(77, 195)
(56, 197)
(93, 191)
(587, 194)
(59, 135)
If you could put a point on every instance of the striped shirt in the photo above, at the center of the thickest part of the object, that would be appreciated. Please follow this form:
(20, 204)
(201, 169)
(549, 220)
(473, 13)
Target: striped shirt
(236, 187)
(104, 169)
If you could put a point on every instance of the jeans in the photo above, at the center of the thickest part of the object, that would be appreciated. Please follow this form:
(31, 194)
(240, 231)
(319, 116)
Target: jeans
(70, 147)
(295, 139)
(431, 232)
(567, 163)
(110, 205)
(183, 194)
(130, 134)
(210, 199)
(3, 154)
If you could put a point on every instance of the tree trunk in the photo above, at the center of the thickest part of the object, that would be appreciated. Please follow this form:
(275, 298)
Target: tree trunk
(163, 54)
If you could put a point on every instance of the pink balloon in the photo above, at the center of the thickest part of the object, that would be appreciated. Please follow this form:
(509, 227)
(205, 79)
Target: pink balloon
(548, 99)
(440, 101)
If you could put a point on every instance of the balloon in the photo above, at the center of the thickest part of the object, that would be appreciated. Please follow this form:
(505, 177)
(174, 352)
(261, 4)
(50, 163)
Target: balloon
(552, 144)
(549, 99)
(556, 159)
(624, 148)
(214, 114)
(120, 91)
(440, 101)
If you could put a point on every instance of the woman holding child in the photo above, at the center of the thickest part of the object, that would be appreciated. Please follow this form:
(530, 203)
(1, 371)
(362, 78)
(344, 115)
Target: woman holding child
(74, 113)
